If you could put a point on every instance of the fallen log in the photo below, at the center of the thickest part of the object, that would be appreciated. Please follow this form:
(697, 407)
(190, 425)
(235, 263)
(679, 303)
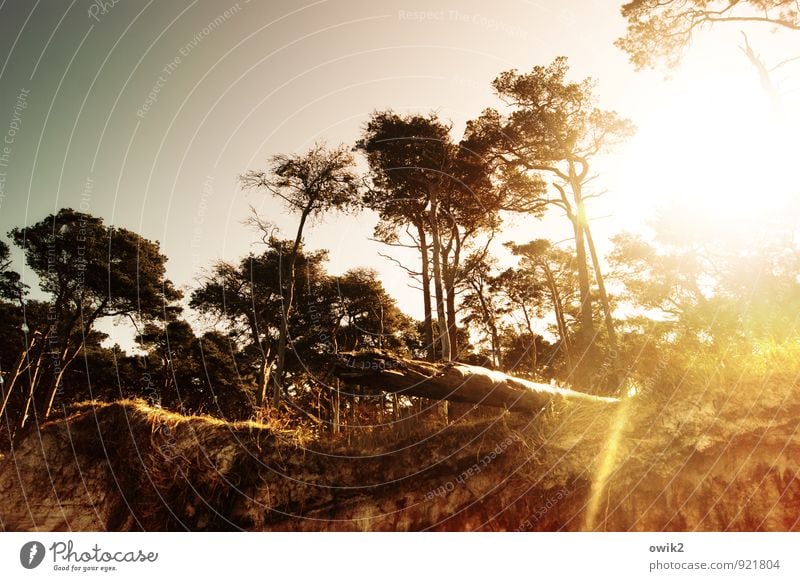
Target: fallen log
(382, 372)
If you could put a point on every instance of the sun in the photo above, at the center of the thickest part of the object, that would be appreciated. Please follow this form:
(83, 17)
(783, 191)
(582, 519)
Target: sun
(718, 145)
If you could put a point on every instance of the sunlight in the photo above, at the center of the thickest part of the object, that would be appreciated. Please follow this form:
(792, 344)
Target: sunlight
(719, 144)
(607, 463)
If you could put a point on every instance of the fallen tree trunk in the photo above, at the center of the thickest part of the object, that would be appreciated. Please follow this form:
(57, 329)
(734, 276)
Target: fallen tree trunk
(381, 372)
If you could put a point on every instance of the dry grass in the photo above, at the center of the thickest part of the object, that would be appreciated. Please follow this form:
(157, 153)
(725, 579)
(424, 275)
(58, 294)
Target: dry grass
(690, 432)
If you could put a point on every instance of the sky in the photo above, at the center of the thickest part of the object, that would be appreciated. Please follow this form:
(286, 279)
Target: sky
(144, 113)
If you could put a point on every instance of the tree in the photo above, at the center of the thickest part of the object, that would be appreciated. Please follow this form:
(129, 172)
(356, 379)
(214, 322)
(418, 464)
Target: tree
(554, 129)
(214, 359)
(408, 157)
(522, 294)
(434, 189)
(330, 314)
(169, 359)
(25, 331)
(555, 274)
(248, 299)
(90, 271)
(102, 374)
(309, 184)
(11, 287)
(710, 287)
(368, 318)
(480, 303)
(528, 355)
(12, 346)
(660, 30)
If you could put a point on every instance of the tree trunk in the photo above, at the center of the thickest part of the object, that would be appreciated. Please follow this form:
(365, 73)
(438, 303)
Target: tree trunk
(558, 307)
(532, 354)
(451, 321)
(427, 325)
(450, 269)
(587, 321)
(444, 335)
(337, 407)
(457, 382)
(489, 321)
(576, 218)
(264, 378)
(34, 382)
(601, 286)
(57, 380)
(9, 388)
(288, 298)
(613, 353)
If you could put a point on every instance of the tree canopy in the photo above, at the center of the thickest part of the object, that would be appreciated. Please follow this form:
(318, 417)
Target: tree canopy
(659, 31)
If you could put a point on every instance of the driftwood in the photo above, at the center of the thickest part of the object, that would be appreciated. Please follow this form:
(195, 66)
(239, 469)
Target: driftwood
(381, 372)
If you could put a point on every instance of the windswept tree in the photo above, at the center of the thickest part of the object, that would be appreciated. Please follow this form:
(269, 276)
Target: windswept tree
(310, 184)
(659, 31)
(409, 159)
(89, 271)
(442, 195)
(555, 130)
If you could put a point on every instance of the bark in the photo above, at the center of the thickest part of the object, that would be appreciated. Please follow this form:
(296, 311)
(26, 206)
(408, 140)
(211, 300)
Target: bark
(558, 307)
(444, 335)
(426, 292)
(577, 217)
(532, 355)
(451, 320)
(601, 286)
(456, 382)
(450, 273)
(18, 370)
(587, 323)
(337, 407)
(58, 378)
(264, 378)
(489, 321)
(288, 298)
(34, 382)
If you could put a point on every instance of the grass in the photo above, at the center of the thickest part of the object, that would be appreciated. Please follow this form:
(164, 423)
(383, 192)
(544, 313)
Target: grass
(713, 444)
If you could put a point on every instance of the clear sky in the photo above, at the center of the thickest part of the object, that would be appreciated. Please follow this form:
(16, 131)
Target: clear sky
(145, 112)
